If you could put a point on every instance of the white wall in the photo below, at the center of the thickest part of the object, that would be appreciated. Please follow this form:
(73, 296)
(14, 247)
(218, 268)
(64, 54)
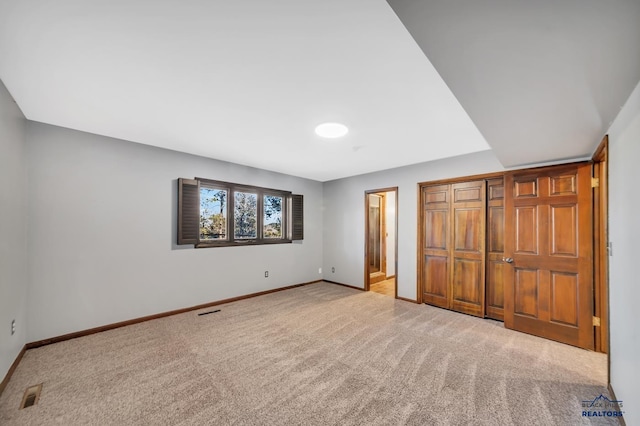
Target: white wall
(102, 232)
(624, 233)
(344, 233)
(13, 241)
(390, 218)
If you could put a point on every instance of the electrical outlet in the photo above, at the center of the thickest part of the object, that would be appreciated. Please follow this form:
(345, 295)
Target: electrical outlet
(319, 270)
(266, 274)
(13, 327)
(333, 270)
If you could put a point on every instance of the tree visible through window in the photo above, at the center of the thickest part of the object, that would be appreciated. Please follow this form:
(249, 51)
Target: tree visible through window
(272, 216)
(213, 214)
(245, 215)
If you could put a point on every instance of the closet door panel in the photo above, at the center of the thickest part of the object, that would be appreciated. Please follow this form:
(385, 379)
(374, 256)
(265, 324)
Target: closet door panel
(495, 249)
(436, 281)
(468, 213)
(436, 240)
(467, 282)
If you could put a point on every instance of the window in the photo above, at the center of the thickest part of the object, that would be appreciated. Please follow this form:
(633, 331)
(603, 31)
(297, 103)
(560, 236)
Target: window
(272, 221)
(245, 215)
(213, 214)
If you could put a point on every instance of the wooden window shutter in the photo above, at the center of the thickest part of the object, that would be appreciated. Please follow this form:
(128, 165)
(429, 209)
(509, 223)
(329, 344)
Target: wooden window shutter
(188, 211)
(297, 217)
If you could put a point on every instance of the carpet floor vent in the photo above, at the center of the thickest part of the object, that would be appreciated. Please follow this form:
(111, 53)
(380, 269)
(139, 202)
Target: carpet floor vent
(207, 313)
(31, 396)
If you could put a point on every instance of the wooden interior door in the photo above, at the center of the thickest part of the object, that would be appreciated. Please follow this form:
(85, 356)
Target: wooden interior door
(374, 234)
(453, 238)
(548, 247)
(495, 249)
(436, 241)
(468, 246)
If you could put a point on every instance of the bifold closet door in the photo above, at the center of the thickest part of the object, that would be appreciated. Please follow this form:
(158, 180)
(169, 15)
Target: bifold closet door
(453, 236)
(436, 238)
(495, 249)
(468, 219)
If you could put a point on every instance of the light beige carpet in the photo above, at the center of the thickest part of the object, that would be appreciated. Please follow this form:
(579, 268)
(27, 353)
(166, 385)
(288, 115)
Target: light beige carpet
(321, 354)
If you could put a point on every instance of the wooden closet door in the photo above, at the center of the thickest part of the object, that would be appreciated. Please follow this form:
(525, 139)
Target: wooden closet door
(453, 238)
(436, 237)
(495, 249)
(549, 276)
(468, 209)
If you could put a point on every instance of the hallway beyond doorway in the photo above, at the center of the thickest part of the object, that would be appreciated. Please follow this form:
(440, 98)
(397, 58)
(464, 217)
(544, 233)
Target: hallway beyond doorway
(386, 287)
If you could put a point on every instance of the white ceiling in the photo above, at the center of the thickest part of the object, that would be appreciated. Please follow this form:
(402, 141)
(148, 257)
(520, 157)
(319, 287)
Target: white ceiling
(244, 81)
(248, 80)
(542, 79)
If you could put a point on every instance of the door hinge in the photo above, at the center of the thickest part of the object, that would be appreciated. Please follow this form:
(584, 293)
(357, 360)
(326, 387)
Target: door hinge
(595, 182)
(596, 321)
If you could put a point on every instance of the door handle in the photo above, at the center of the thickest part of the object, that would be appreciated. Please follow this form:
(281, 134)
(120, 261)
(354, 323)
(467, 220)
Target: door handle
(507, 259)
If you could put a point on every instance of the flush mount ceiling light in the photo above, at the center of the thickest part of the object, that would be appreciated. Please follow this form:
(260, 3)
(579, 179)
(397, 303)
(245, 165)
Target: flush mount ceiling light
(331, 130)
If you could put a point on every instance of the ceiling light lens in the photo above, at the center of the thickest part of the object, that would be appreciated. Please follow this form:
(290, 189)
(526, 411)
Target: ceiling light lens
(331, 130)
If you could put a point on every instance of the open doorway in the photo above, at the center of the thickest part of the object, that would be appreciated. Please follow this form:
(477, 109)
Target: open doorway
(381, 242)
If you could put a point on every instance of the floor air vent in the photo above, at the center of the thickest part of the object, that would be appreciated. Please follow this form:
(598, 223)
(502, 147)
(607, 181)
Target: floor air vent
(31, 396)
(207, 313)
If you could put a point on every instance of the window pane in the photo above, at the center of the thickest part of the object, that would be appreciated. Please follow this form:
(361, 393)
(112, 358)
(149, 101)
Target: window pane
(213, 214)
(272, 227)
(245, 215)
